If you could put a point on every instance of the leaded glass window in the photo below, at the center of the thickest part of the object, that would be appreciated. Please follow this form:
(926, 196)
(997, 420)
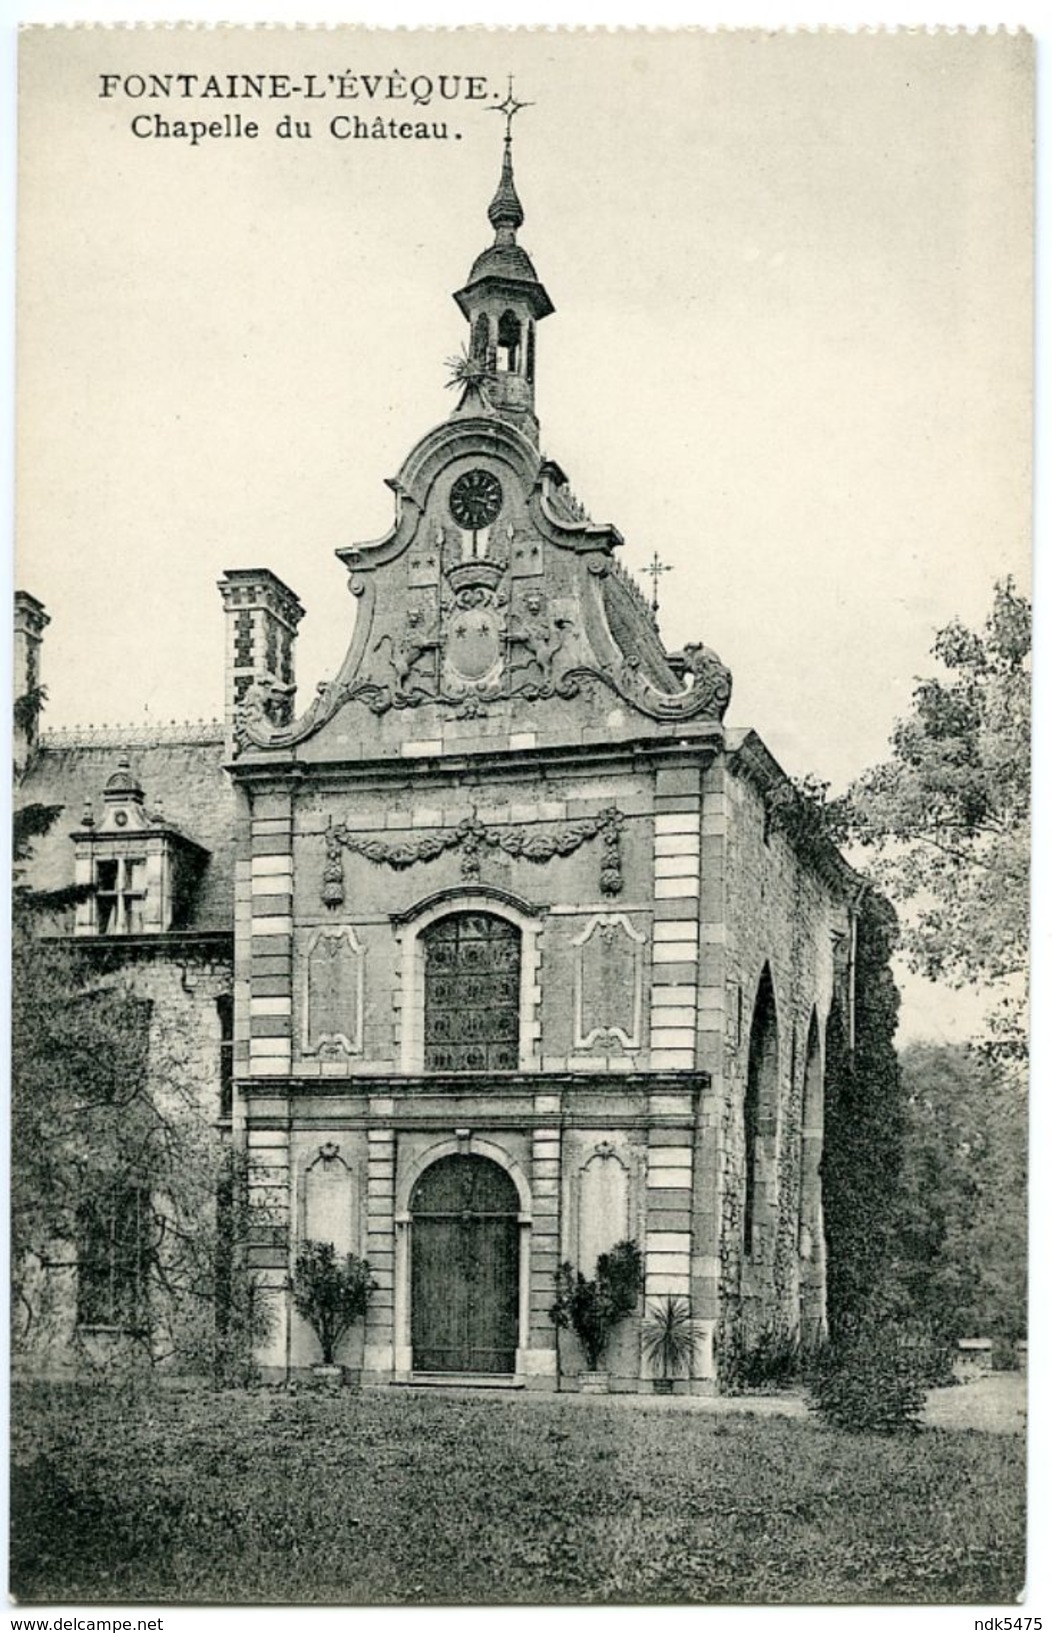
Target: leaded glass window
(471, 994)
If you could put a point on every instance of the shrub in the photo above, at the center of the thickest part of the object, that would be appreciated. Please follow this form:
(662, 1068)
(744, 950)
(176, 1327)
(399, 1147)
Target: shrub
(872, 1378)
(935, 1355)
(330, 1293)
(774, 1359)
(593, 1307)
(670, 1336)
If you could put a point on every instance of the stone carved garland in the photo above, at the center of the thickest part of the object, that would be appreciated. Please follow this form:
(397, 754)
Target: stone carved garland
(471, 837)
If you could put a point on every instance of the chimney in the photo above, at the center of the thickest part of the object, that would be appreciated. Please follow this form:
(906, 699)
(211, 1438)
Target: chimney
(30, 623)
(262, 616)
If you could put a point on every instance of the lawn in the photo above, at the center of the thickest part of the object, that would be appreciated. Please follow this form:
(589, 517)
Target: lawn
(394, 1497)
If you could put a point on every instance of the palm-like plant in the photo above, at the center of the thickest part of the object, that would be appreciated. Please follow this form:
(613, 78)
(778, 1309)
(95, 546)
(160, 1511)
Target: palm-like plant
(470, 374)
(670, 1337)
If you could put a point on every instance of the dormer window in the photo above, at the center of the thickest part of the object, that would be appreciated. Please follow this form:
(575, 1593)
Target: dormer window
(141, 870)
(120, 894)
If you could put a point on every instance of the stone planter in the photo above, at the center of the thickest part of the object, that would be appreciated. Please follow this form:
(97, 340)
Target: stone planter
(662, 1386)
(325, 1377)
(595, 1383)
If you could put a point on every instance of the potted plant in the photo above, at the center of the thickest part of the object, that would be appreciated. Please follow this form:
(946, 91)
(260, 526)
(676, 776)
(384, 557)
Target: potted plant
(592, 1306)
(669, 1341)
(331, 1292)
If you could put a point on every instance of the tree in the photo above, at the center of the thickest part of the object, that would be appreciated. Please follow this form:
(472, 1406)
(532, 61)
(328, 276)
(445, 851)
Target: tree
(864, 1119)
(948, 816)
(29, 820)
(962, 1233)
(331, 1292)
(126, 1212)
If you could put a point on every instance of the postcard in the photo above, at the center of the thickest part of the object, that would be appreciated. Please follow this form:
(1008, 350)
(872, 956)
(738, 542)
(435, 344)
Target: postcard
(522, 645)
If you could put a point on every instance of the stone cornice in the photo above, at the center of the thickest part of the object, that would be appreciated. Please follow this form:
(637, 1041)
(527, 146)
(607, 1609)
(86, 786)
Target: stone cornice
(491, 1086)
(694, 740)
(176, 945)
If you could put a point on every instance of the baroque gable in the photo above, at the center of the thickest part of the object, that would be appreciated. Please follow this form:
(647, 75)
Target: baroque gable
(492, 593)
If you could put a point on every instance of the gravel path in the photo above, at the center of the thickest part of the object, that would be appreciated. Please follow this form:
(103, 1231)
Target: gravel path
(996, 1402)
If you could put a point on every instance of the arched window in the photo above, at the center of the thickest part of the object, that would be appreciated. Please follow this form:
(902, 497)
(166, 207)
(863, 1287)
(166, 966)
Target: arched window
(531, 353)
(761, 1112)
(480, 337)
(811, 1234)
(472, 966)
(509, 343)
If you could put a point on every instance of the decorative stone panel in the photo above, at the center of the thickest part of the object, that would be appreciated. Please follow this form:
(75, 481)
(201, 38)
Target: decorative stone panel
(333, 987)
(603, 1201)
(327, 1202)
(608, 983)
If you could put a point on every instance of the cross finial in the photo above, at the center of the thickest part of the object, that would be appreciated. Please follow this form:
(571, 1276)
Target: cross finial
(655, 569)
(510, 107)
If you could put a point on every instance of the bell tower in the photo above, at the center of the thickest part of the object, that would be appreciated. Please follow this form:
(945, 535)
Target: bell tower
(503, 301)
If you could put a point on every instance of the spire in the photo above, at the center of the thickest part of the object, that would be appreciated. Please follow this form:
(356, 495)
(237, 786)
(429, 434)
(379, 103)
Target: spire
(503, 301)
(505, 269)
(506, 212)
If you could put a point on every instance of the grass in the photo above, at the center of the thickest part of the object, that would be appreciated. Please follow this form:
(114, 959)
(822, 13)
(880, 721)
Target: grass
(390, 1497)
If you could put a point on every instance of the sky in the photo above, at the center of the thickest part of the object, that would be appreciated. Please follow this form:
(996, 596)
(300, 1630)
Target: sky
(791, 352)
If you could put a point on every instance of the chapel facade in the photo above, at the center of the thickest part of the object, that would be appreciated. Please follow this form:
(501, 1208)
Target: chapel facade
(497, 954)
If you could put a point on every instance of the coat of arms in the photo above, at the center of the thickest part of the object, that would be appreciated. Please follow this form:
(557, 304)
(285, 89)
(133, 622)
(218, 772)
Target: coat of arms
(474, 632)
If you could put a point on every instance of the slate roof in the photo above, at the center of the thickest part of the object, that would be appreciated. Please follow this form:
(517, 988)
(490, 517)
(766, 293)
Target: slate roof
(186, 776)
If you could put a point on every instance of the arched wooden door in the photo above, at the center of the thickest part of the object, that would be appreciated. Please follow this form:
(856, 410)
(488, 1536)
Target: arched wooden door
(465, 1267)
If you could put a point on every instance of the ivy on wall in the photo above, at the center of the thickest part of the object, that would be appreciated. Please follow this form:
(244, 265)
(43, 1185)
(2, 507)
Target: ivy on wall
(864, 1124)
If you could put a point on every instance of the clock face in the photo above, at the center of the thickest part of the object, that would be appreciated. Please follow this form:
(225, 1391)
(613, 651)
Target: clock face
(475, 500)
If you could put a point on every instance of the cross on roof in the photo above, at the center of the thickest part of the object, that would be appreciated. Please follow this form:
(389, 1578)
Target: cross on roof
(510, 107)
(655, 569)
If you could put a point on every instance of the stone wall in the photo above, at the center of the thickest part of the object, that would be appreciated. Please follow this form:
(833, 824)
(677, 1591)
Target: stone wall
(394, 864)
(185, 1083)
(784, 916)
(643, 946)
